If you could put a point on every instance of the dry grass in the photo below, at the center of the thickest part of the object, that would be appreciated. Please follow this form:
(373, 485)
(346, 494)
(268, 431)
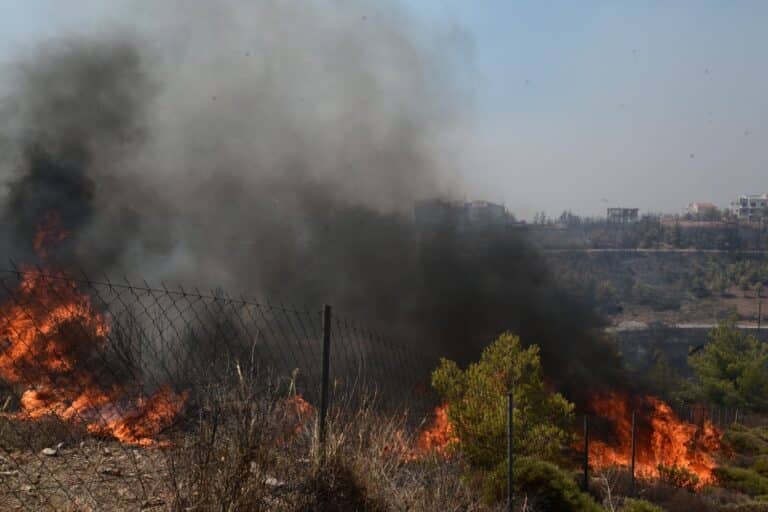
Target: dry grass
(244, 446)
(252, 450)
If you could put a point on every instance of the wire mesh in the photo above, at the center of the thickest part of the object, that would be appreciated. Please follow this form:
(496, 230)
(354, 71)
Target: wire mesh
(86, 362)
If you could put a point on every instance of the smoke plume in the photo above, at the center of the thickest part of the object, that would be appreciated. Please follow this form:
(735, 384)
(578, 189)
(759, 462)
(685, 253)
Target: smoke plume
(278, 150)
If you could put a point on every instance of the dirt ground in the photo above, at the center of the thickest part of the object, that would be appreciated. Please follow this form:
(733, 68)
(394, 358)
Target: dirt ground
(703, 311)
(91, 475)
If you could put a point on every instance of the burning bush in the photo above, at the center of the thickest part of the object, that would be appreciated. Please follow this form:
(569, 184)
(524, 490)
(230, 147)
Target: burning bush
(477, 404)
(678, 477)
(663, 440)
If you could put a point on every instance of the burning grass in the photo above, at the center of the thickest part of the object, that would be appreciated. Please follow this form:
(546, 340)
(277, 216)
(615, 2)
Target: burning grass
(242, 444)
(248, 446)
(270, 442)
(55, 353)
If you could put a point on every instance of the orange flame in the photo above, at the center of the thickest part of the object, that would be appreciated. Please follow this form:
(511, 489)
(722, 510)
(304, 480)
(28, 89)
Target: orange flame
(300, 410)
(49, 330)
(48, 232)
(661, 438)
(437, 438)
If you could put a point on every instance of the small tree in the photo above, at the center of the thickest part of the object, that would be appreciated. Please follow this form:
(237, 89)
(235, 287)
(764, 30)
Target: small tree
(477, 404)
(731, 369)
(712, 214)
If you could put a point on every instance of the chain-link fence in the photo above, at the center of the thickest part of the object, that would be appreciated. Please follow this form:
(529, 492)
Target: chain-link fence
(101, 371)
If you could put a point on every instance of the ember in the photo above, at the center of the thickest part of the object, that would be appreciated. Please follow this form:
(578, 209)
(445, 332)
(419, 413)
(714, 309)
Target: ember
(301, 412)
(51, 331)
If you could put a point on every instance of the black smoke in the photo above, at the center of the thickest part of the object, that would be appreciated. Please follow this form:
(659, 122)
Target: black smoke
(278, 150)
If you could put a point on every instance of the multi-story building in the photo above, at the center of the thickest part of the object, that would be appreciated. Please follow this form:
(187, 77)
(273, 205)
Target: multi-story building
(750, 207)
(622, 215)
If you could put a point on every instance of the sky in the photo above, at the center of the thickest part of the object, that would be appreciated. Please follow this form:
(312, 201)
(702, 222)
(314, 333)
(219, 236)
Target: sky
(573, 105)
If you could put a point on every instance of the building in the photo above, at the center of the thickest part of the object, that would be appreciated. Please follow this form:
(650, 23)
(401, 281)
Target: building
(750, 207)
(699, 209)
(484, 213)
(622, 215)
(435, 212)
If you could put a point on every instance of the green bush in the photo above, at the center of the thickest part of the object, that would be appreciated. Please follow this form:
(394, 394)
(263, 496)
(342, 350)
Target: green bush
(753, 506)
(760, 465)
(678, 477)
(742, 480)
(631, 505)
(477, 404)
(746, 441)
(731, 369)
(546, 486)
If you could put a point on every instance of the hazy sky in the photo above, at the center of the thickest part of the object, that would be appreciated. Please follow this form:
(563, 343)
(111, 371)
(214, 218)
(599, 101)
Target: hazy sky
(573, 105)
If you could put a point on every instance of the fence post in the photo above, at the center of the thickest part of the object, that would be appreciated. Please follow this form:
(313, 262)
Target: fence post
(325, 377)
(586, 453)
(510, 483)
(632, 468)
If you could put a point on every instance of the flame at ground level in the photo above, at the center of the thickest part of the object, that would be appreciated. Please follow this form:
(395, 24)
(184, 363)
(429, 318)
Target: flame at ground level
(53, 344)
(662, 438)
(437, 437)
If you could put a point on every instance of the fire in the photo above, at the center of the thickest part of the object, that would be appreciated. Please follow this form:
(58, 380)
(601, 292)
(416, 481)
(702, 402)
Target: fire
(48, 233)
(300, 410)
(661, 438)
(438, 437)
(52, 340)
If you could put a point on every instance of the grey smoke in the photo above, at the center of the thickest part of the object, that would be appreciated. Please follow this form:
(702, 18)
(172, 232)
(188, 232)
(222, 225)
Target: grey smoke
(275, 149)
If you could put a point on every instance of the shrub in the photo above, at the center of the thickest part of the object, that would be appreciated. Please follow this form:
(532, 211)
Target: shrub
(678, 477)
(546, 486)
(760, 465)
(731, 369)
(631, 505)
(477, 404)
(742, 480)
(752, 506)
(746, 441)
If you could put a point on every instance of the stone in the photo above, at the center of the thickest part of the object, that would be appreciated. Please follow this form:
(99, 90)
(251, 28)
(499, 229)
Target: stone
(50, 452)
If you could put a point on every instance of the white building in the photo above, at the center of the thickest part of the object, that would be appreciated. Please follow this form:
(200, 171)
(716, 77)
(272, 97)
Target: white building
(697, 209)
(750, 207)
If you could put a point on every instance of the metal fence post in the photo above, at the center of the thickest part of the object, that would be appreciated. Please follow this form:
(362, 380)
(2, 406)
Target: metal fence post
(632, 469)
(325, 377)
(510, 431)
(586, 453)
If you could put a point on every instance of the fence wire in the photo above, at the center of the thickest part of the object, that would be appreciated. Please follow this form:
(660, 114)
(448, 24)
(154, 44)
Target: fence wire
(85, 362)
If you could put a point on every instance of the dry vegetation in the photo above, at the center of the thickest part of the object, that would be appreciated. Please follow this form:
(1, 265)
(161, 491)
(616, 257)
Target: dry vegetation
(253, 445)
(244, 446)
